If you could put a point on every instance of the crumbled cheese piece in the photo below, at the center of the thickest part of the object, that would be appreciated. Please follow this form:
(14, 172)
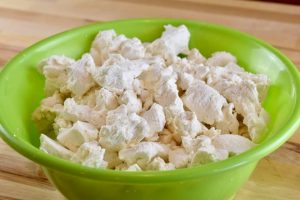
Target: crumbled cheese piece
(229, 124)
(167, 95)
(211, 107)
(168, 138)
(142, 153)
(118, 73)
(202, 151)
(132, 49)
(205, 101)
(45, 115)
(90, 154)
(122, 128)
(245, 91)
(107, 43)
(262, 83)
(52, 147)
(49, 105)
(137, 86)
(198, 71)
(162, 83)
(173, 41)
(158, 164)
(232, 72)
(134, 168)
(54, 69)
(233, 67)
(234, 144)
(132, 102)
(244, 95)
(185, 123)
(208, 154)
(179, 157)
(191, 145)
(185, 81)
(106, 100)
(147, 99)
(112, 158)
(220, 59)
(156, 119)
(52, 103)
(61, 122)
(74, 112)
(195, 57)
(78, 134)
(88, 99)
(212, 132)
(125, 167)
(156, 76)
(79, 79)
(116, 44)
(101, 45)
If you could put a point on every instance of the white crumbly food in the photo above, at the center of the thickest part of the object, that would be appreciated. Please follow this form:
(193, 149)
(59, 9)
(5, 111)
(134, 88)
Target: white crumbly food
(134, 106)
(143, 153)
(155, 118)
(122, 128)
(79, 133)
(118, 73)
(90, 154)
(52, 147)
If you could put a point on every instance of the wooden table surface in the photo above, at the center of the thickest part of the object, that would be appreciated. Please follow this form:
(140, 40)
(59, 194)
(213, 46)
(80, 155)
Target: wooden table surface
(24, 22)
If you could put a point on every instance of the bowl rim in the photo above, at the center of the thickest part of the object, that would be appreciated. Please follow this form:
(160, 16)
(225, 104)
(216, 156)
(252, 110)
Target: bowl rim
(253, 155)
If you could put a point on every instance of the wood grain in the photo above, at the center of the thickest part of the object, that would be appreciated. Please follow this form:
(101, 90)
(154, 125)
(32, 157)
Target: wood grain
(23, 23)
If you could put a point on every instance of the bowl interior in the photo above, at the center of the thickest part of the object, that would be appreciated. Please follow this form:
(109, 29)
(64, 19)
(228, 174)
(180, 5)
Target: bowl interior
(21, 86)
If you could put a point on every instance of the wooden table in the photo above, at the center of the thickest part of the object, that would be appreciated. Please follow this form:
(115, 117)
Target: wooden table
(23, 23)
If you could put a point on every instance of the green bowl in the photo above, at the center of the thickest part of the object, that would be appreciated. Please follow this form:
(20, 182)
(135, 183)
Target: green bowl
(21, 89)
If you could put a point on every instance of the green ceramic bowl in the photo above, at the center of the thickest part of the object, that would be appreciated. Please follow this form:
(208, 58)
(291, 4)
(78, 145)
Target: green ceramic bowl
(21, 89)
